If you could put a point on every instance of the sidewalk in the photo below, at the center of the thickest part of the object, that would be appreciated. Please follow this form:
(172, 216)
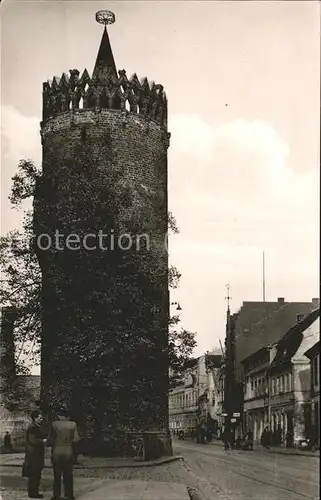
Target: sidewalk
(16, 460)
(288, 451)
(280, 450)
(272, 449)
(138, 490)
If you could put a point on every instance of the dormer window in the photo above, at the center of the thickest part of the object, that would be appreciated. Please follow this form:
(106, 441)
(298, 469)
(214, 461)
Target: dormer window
(299, 318)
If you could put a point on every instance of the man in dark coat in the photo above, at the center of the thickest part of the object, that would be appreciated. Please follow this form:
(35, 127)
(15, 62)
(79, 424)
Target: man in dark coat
(7, 445)
(266, 438)
(249, 440)
(63, 437)
(35, 454)
(226, 438)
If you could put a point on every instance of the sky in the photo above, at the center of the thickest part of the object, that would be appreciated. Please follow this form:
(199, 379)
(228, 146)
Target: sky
(242, 81)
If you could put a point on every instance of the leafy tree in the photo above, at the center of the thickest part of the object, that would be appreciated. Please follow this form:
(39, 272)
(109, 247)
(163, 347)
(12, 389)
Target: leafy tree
(23, 288)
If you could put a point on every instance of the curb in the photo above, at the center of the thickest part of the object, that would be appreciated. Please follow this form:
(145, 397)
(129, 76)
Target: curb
(295, 453)
(161, 461)
(280, 452)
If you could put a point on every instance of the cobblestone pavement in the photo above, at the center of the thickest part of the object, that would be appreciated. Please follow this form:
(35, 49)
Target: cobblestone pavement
(13, 486)
(240, 475)
(274, 449)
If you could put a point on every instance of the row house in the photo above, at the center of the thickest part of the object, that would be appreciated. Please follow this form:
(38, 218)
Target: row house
(195, 401)
(277, 383)
(213, 402)
(182, 400)
(256, 325)
(313, 354)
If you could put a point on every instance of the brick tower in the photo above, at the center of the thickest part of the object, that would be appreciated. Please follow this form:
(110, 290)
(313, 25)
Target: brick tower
(105, 301)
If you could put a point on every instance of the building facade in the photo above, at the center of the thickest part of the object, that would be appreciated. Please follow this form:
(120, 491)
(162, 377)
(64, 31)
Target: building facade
(256, 407)
(313, 354)
(253, 327)
(15, 417)
(183, 399)
(197, 401)
(104, 181)
(19, 393)
(258, 324)
(277, 382)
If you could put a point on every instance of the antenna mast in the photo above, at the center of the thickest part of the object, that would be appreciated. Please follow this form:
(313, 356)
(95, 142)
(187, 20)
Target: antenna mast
(228, 297)
(263, 277)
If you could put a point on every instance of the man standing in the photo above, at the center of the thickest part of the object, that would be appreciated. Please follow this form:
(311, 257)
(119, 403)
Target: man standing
(7, 445)
(35, 454)
(63, 436)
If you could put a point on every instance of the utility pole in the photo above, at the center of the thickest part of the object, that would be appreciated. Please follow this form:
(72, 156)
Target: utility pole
(263, 277)
(228, 365)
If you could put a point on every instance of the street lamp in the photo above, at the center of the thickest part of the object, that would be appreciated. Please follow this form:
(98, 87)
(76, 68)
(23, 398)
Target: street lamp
(178, 308)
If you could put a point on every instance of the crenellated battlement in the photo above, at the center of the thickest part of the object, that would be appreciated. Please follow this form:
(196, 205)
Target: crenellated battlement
(105, 90)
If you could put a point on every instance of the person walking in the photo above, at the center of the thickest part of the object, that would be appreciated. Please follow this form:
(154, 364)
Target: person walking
(226, 437)
(7, 445)
(289, 439)
(249, 440)
(35, 454)
(266, 438)
(63, 437)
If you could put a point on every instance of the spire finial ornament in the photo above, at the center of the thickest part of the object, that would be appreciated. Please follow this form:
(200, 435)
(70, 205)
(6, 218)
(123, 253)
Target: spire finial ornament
(105, 60)
(105, 17)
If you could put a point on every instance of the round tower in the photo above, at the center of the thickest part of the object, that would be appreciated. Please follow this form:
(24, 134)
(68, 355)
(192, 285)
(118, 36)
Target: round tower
(100, 225)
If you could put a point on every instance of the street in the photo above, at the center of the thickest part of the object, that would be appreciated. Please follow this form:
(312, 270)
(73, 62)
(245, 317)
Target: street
(220, 475)
(259, 475)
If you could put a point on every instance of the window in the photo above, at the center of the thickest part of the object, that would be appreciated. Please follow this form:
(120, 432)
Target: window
(281, 384)
(277, 385)
(315, 371)
(259, 386)
(286, 376)
(290, 382)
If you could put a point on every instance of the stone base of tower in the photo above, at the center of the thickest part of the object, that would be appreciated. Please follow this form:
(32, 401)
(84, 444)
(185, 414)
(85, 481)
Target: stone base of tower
(102, 435)
(148, 445)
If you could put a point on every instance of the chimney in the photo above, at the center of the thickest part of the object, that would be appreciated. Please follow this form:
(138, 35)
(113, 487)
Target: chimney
(316, 302)
(281, 300)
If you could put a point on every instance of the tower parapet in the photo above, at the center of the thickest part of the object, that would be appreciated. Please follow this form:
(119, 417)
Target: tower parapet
(105, 90)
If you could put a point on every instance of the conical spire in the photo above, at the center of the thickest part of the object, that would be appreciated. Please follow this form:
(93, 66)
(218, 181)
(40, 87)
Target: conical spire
(105, 58)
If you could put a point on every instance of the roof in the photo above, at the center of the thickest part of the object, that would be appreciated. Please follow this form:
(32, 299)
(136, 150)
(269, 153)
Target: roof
(258, 324)
(191, 363)
(105, 58)
(313, 351)
(214, 359)
(297, 339)
(253, 355)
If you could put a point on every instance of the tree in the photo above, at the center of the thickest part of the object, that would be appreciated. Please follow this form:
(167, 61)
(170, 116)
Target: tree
(22, 283)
